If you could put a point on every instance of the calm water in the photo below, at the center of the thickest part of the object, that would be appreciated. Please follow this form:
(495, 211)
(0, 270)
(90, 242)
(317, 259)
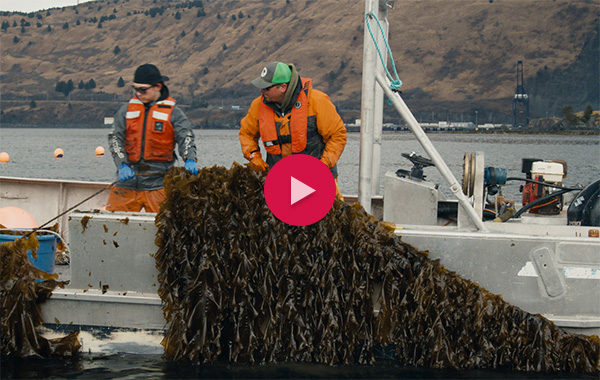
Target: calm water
(31, 155)
(129, 366)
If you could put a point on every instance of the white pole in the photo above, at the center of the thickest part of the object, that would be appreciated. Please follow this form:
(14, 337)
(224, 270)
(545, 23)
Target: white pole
(435, 157)
(367, 117)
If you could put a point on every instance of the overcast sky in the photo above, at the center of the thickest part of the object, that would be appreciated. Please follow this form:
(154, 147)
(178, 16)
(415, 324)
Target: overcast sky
(35, 5)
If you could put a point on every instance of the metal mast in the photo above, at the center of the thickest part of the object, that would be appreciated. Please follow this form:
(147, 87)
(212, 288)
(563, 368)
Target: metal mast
(521, 97)
(371, 110)
(374, 86)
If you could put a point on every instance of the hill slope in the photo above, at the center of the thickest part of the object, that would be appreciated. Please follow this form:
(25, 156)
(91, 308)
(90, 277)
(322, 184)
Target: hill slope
(454, 57)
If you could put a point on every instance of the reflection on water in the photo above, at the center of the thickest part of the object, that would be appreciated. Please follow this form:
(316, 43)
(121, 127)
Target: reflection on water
(131, 366)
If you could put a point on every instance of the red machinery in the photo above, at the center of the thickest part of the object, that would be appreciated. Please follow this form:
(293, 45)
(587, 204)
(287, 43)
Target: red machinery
(541, 176)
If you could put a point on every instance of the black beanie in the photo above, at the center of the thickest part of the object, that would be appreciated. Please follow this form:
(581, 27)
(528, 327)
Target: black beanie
(148, 74)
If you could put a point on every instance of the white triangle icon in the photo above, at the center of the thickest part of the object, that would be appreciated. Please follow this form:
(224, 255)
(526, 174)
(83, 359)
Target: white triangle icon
(299, 190)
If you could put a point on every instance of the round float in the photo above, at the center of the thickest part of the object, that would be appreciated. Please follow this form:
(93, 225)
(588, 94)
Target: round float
(15, 217)
(99, 151)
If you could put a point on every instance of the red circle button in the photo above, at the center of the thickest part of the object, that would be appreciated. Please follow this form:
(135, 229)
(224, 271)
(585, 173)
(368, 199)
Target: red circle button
(299, 190)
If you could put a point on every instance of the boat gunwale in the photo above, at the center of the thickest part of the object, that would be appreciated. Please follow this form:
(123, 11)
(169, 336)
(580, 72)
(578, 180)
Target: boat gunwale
(53, 181)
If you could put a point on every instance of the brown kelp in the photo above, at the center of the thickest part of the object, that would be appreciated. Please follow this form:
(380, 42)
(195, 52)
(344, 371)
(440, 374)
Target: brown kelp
(21, 296)
(241, 286)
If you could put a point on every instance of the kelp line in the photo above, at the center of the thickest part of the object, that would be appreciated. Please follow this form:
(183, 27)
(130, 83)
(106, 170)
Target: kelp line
(238, 285)
(21, 297)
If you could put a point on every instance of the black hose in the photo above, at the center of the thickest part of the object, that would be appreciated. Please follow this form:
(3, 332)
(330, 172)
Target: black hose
(540, 200)
(542, 183)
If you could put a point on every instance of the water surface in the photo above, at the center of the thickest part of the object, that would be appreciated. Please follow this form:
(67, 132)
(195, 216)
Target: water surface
(31, 154)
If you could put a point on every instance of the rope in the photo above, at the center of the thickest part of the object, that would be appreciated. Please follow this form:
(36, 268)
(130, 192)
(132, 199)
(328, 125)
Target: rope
(395, 83)
(87, 199)
(90, 197)
(78, 204)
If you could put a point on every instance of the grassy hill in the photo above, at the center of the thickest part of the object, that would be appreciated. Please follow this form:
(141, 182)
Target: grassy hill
(453, 56)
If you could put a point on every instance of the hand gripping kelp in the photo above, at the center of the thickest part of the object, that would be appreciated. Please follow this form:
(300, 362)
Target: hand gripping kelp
(239, 285)
(21, 297)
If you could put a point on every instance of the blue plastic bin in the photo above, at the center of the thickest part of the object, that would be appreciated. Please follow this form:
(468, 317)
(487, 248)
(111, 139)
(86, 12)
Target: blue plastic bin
(46, 253)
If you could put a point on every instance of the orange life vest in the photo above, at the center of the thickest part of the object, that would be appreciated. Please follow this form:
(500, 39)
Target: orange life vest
(156, 140)
(298, 131)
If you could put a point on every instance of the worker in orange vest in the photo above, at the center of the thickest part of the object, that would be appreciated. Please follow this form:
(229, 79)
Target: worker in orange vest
(142, 143)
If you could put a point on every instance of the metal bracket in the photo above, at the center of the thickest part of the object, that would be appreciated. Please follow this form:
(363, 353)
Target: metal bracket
(544, 264)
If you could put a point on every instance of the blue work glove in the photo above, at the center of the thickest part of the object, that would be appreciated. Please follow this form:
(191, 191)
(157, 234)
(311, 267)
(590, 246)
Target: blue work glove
(190, 166)
(125, 173)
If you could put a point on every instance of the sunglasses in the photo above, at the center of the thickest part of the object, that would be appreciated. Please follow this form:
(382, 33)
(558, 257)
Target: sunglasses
(140, 89)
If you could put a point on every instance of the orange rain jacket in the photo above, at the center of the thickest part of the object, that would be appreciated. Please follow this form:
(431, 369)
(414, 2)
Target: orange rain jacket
(324, 135)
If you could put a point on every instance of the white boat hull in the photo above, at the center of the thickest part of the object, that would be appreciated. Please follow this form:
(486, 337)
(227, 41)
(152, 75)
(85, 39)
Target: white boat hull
(557, 277)
(112, 295)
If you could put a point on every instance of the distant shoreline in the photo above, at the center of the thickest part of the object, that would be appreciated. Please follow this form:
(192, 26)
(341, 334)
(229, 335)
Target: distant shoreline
(577, 132)
(519, 132)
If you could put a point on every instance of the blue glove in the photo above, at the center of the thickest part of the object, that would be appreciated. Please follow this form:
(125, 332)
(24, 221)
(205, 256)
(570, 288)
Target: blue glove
(125, 173)
(190, 166)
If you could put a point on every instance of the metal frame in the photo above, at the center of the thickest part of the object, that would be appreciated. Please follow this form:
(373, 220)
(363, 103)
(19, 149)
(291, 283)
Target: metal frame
(371, 124)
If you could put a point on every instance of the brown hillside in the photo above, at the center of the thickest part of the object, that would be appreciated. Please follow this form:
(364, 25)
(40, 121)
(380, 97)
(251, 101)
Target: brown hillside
(452, 55)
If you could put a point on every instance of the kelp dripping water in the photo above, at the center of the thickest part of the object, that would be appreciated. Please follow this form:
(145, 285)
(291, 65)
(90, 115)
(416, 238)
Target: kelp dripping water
(241, 286)
(21, 297)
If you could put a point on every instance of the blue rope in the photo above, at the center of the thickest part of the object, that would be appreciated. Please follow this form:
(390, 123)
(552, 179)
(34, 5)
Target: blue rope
(395, 83)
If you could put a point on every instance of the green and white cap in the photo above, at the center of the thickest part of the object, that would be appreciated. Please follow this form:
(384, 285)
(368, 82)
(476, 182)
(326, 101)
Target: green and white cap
(273, 73)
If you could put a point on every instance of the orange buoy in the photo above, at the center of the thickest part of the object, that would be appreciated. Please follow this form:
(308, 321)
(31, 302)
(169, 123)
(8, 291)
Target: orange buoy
(58, 153)
(99, 151)
(15, 217)
(4, 157)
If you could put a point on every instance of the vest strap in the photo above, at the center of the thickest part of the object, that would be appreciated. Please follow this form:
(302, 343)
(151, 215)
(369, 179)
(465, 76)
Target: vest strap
(283, 139)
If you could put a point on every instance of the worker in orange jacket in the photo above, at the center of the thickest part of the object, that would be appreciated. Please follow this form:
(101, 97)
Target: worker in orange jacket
(290, 117)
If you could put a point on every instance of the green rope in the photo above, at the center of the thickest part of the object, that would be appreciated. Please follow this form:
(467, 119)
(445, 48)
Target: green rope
(395, 83)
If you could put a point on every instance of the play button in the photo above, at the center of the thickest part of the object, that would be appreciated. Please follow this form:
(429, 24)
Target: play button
(299, 190)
